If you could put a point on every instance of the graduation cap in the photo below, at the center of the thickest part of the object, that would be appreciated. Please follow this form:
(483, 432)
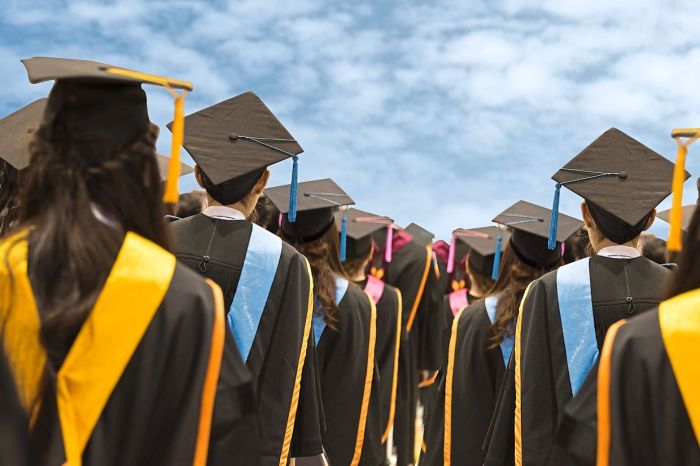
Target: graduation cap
(622, 181)
(359, 226)
(164, 163)
(688, 212)
(420, 234)
(234, 141)
(684, 137)
(317, 201)
(17, 130)
(101, 103)
(530, 228)
(483, 244)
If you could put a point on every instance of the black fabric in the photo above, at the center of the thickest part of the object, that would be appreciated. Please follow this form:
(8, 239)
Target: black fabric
(309, 226)
(614, 228)
(357, 248)
(231, 191)
(649, 423)
(273, 357)
(532, 249)
(480, 263)
(93, 112)
(478, 372)
(14, 440)
(342, 356)
(619, 288)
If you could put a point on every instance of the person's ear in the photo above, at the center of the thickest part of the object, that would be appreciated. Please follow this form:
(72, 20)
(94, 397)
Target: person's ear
(198, 176)
(650, 220)
(262, 183)
(587, 217)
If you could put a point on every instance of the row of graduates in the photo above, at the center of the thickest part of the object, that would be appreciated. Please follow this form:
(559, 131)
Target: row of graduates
(129, 339)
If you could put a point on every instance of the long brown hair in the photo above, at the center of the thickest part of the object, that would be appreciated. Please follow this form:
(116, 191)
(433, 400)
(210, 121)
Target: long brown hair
(514, 277)
(687, 276)
(71, 252)
(323, 256)
(8, 196)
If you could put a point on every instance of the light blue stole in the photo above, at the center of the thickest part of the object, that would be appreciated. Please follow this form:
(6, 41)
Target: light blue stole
(577, 324)
(491, 303)
(341, 287)
(259, 269)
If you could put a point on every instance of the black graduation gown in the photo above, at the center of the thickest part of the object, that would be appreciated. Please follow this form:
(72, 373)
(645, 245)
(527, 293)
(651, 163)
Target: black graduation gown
(411, 271)
(342, 359)
(14, 439)
(152, 414)
(217, 249)
(620, 288)
(385, 351)
(477, 374)
(649, 423)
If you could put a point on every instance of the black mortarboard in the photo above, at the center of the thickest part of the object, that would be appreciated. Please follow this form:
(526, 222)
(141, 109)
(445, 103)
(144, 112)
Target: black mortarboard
(100, 103)
(483, 244)
(688, 212)
(17, 130)
(622, 181)
(529, 226)
(360, 226)
(164, 163)
(234, 141)
(420, 234)
(317, 202)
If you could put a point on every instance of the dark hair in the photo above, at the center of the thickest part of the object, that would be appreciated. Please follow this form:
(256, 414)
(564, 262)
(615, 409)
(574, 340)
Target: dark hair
(482, 281)
(71, 252)
(687, 276)
(653, 248)
(577, 246)
(9, 187)
(267, 215)
(514, 277)
(354, 265)
(190, 204)
(325, 267)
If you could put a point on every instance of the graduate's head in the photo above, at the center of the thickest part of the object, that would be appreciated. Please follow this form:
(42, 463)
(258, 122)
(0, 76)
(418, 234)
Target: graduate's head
(191, 204)
(687, 276)
(480, 246)
(622, 182)
(8, 196)
(233, 142)
(359, 226)
(267, 215)
(577, 246)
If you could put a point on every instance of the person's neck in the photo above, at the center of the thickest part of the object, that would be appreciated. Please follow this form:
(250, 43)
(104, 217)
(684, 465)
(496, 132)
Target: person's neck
(606, 243)
(476, 291)
(358, 276)
(239, 206)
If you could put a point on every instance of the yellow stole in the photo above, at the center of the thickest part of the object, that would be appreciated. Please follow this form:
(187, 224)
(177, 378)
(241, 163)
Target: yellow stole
(123, 311)
(679, 319)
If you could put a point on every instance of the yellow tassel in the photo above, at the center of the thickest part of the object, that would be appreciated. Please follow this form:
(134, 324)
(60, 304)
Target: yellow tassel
(172, 192)
(676, 217)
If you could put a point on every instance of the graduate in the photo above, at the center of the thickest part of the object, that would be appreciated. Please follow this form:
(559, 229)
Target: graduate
(481, 338)
(267, 284)
(408, 265)
(566, 313)
(16, 130)
(360, 226)
(344, 326)
(119, 354)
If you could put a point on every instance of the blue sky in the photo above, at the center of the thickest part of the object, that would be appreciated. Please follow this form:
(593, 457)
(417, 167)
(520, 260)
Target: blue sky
(439, 112)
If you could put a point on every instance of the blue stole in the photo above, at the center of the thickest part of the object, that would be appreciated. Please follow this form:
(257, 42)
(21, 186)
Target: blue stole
(341, 287)
(576, 311)
(259, 269)
(507, 344)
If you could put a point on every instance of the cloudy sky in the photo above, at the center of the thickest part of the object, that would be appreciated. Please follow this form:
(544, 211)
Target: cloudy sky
(439, 112)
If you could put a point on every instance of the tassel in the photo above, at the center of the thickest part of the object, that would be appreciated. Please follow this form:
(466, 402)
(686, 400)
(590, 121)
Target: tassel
(343, 236)
(552, 241)
(675, 241)
(497, 257)
(171, 194)
(389, 249)
(279, 220)
(292, 214)
(451, 255)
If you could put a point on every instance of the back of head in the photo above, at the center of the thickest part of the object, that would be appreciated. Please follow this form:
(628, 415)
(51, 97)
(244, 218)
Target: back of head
(9, 187)
(267, 215)
(190, 204)
(653, 248)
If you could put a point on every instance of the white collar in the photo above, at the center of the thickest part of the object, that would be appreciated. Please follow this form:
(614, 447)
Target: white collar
(222, 212)
(619, 252)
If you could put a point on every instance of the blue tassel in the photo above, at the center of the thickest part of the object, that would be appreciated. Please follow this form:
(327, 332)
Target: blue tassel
(343, 236)
(497, 257)
(552, 241)
(292, 214)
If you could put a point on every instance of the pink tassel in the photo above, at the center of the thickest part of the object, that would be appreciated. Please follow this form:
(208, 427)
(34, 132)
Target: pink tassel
(388, 251)
(451, 256)
(279, 220)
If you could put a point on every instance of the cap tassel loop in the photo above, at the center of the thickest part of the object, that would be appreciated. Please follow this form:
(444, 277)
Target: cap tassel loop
(497, 257)
(389, 249)
(554, 221)
(343, 235)
(451, 255)
(171, 193)
(292, 214)
(675, 237)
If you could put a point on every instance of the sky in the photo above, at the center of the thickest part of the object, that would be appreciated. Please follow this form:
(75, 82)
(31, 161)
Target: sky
(442, 113)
